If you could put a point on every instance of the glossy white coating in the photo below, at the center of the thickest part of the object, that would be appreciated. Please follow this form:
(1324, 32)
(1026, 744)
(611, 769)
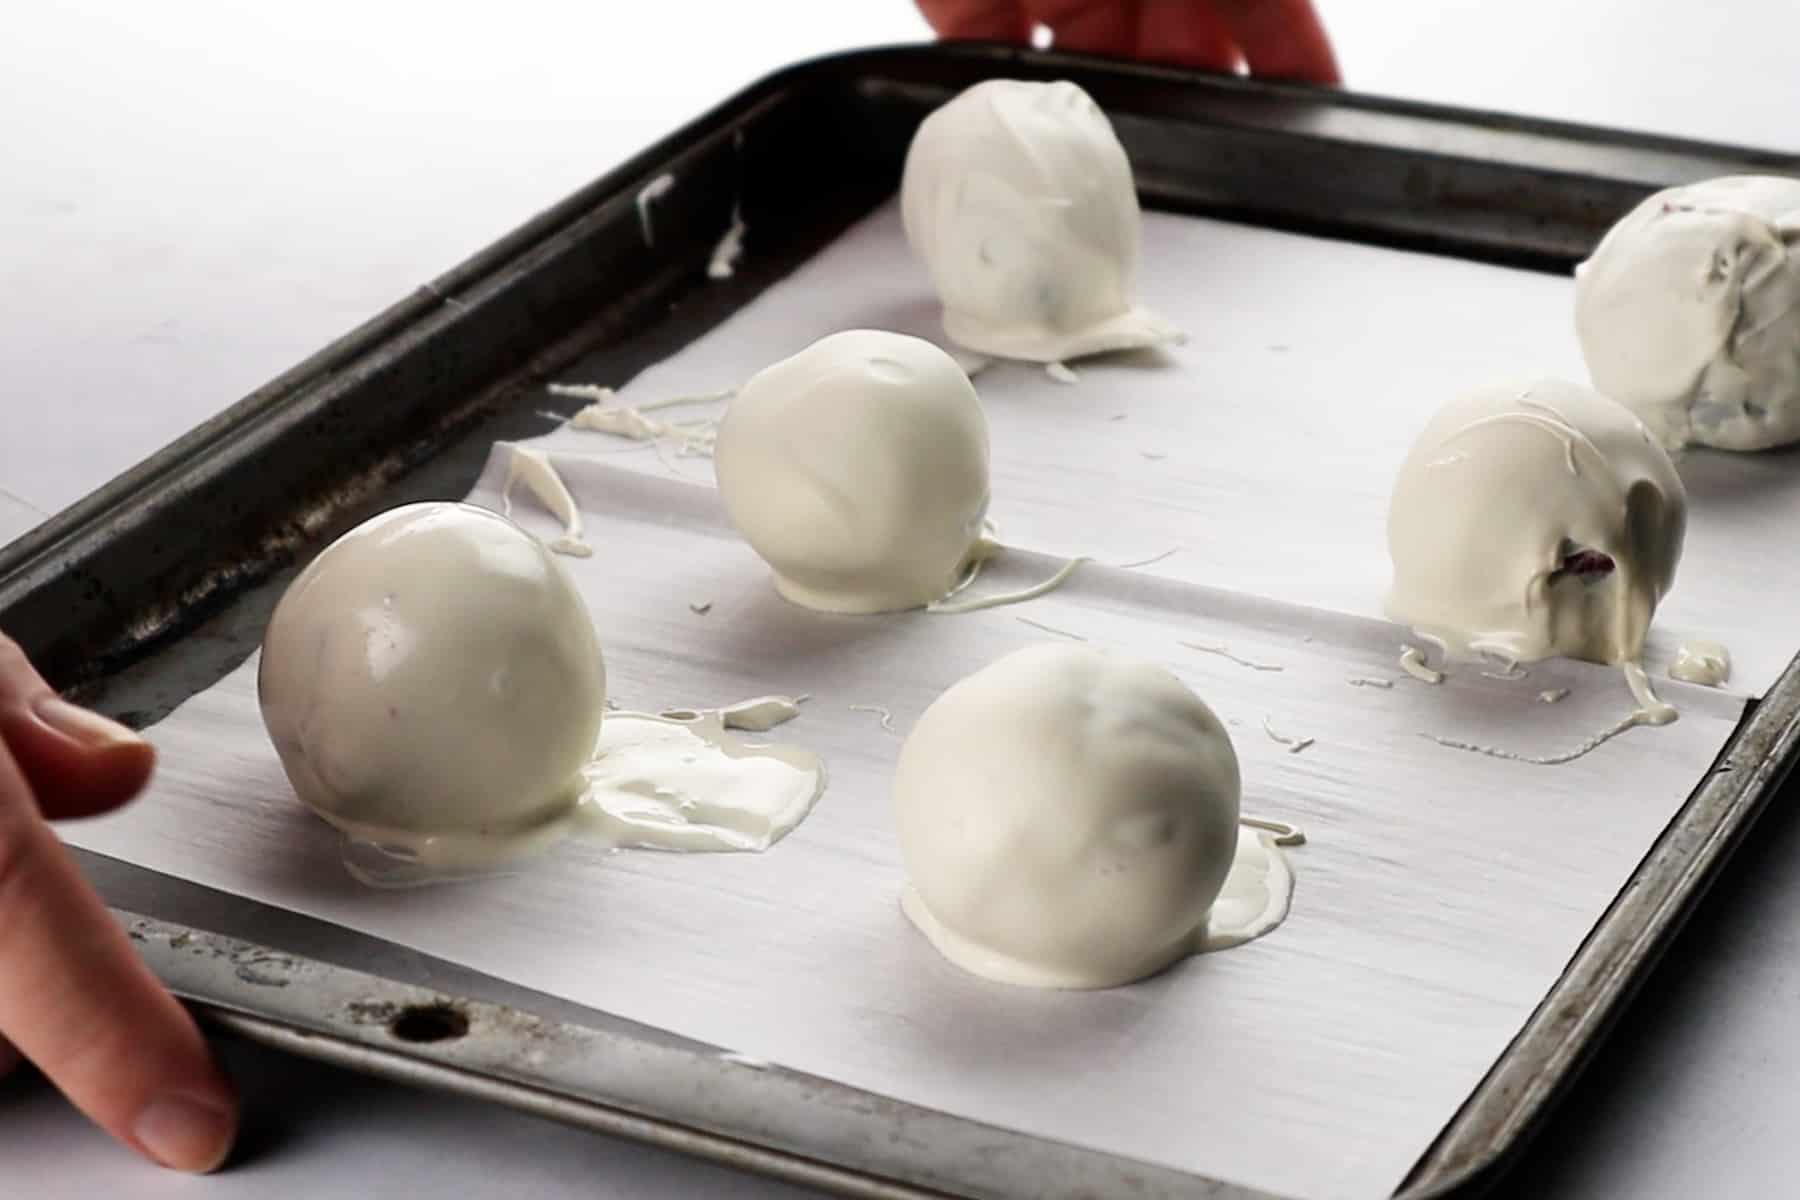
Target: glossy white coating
(1019, 199)
(858, 470)
(433, 686)
(1069, 819)
(1532, 521)
(1689, 313)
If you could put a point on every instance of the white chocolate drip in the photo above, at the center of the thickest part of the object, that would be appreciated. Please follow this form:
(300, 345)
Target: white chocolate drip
(593, 393)
(694, 436)
(949, 607)
(1650, 709)
(1286, 833)
(725, 255)
(1703, 662)
(1225, 653)
(1412, 661)
(875, 710)
(1046, 628)
(532, 467)
(647, 195)
(750, 716)
(1548, 760)
(1294, 744)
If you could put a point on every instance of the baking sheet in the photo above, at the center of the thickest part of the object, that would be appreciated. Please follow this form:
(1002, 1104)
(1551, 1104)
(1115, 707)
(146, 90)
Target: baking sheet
(1265, 447)
(1318, 1062)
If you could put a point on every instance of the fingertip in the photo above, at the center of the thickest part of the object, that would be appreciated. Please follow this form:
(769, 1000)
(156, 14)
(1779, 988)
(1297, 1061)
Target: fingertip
(187, 1131)
(77, 762)
(1283, 39)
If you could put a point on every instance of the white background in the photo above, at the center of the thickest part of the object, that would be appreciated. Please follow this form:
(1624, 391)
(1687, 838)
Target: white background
(194, 195)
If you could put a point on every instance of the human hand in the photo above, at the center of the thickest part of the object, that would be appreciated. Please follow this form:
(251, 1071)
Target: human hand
(1272, 39)
(74, 997)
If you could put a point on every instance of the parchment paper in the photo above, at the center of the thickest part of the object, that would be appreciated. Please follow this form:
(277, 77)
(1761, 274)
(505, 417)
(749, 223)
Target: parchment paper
(1441, 892)
(1311, 367)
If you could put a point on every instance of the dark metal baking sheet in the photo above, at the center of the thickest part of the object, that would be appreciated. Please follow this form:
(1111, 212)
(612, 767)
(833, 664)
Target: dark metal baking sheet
(156, 585)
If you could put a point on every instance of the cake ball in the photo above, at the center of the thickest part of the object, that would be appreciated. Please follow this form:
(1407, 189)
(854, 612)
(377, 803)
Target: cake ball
(1020, 200)
(858, 470)
(1535, 521)
(1689, 313)
(433, 685)
(1069, 819)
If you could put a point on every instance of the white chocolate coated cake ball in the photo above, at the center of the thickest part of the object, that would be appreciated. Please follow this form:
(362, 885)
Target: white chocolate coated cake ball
(858, 470)
(1531, 521)
(1067, 818)
(1020, 200)
(1689, 313)
(433, 685)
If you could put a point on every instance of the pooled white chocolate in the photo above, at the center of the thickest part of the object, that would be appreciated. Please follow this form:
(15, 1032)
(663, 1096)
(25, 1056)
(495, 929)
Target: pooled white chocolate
(1534, 521)
(1700, 661)
(1069, 819)
(1020, 200)
(1689, 313)
(858, 470)
(681, 783)
(433, 687)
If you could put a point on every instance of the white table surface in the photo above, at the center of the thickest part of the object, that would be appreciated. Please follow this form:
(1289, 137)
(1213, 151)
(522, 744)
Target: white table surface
(197, 193)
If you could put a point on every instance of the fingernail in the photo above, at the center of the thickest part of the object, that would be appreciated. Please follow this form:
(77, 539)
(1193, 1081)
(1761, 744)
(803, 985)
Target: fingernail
(83, 724)
(185, 1133)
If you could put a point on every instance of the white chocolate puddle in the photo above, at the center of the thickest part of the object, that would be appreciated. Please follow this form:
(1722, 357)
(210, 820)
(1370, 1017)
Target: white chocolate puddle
(1701, 661)
(1255, 898)
(1258, 891)
(435, 690)
(661, 784)
(677, 781)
